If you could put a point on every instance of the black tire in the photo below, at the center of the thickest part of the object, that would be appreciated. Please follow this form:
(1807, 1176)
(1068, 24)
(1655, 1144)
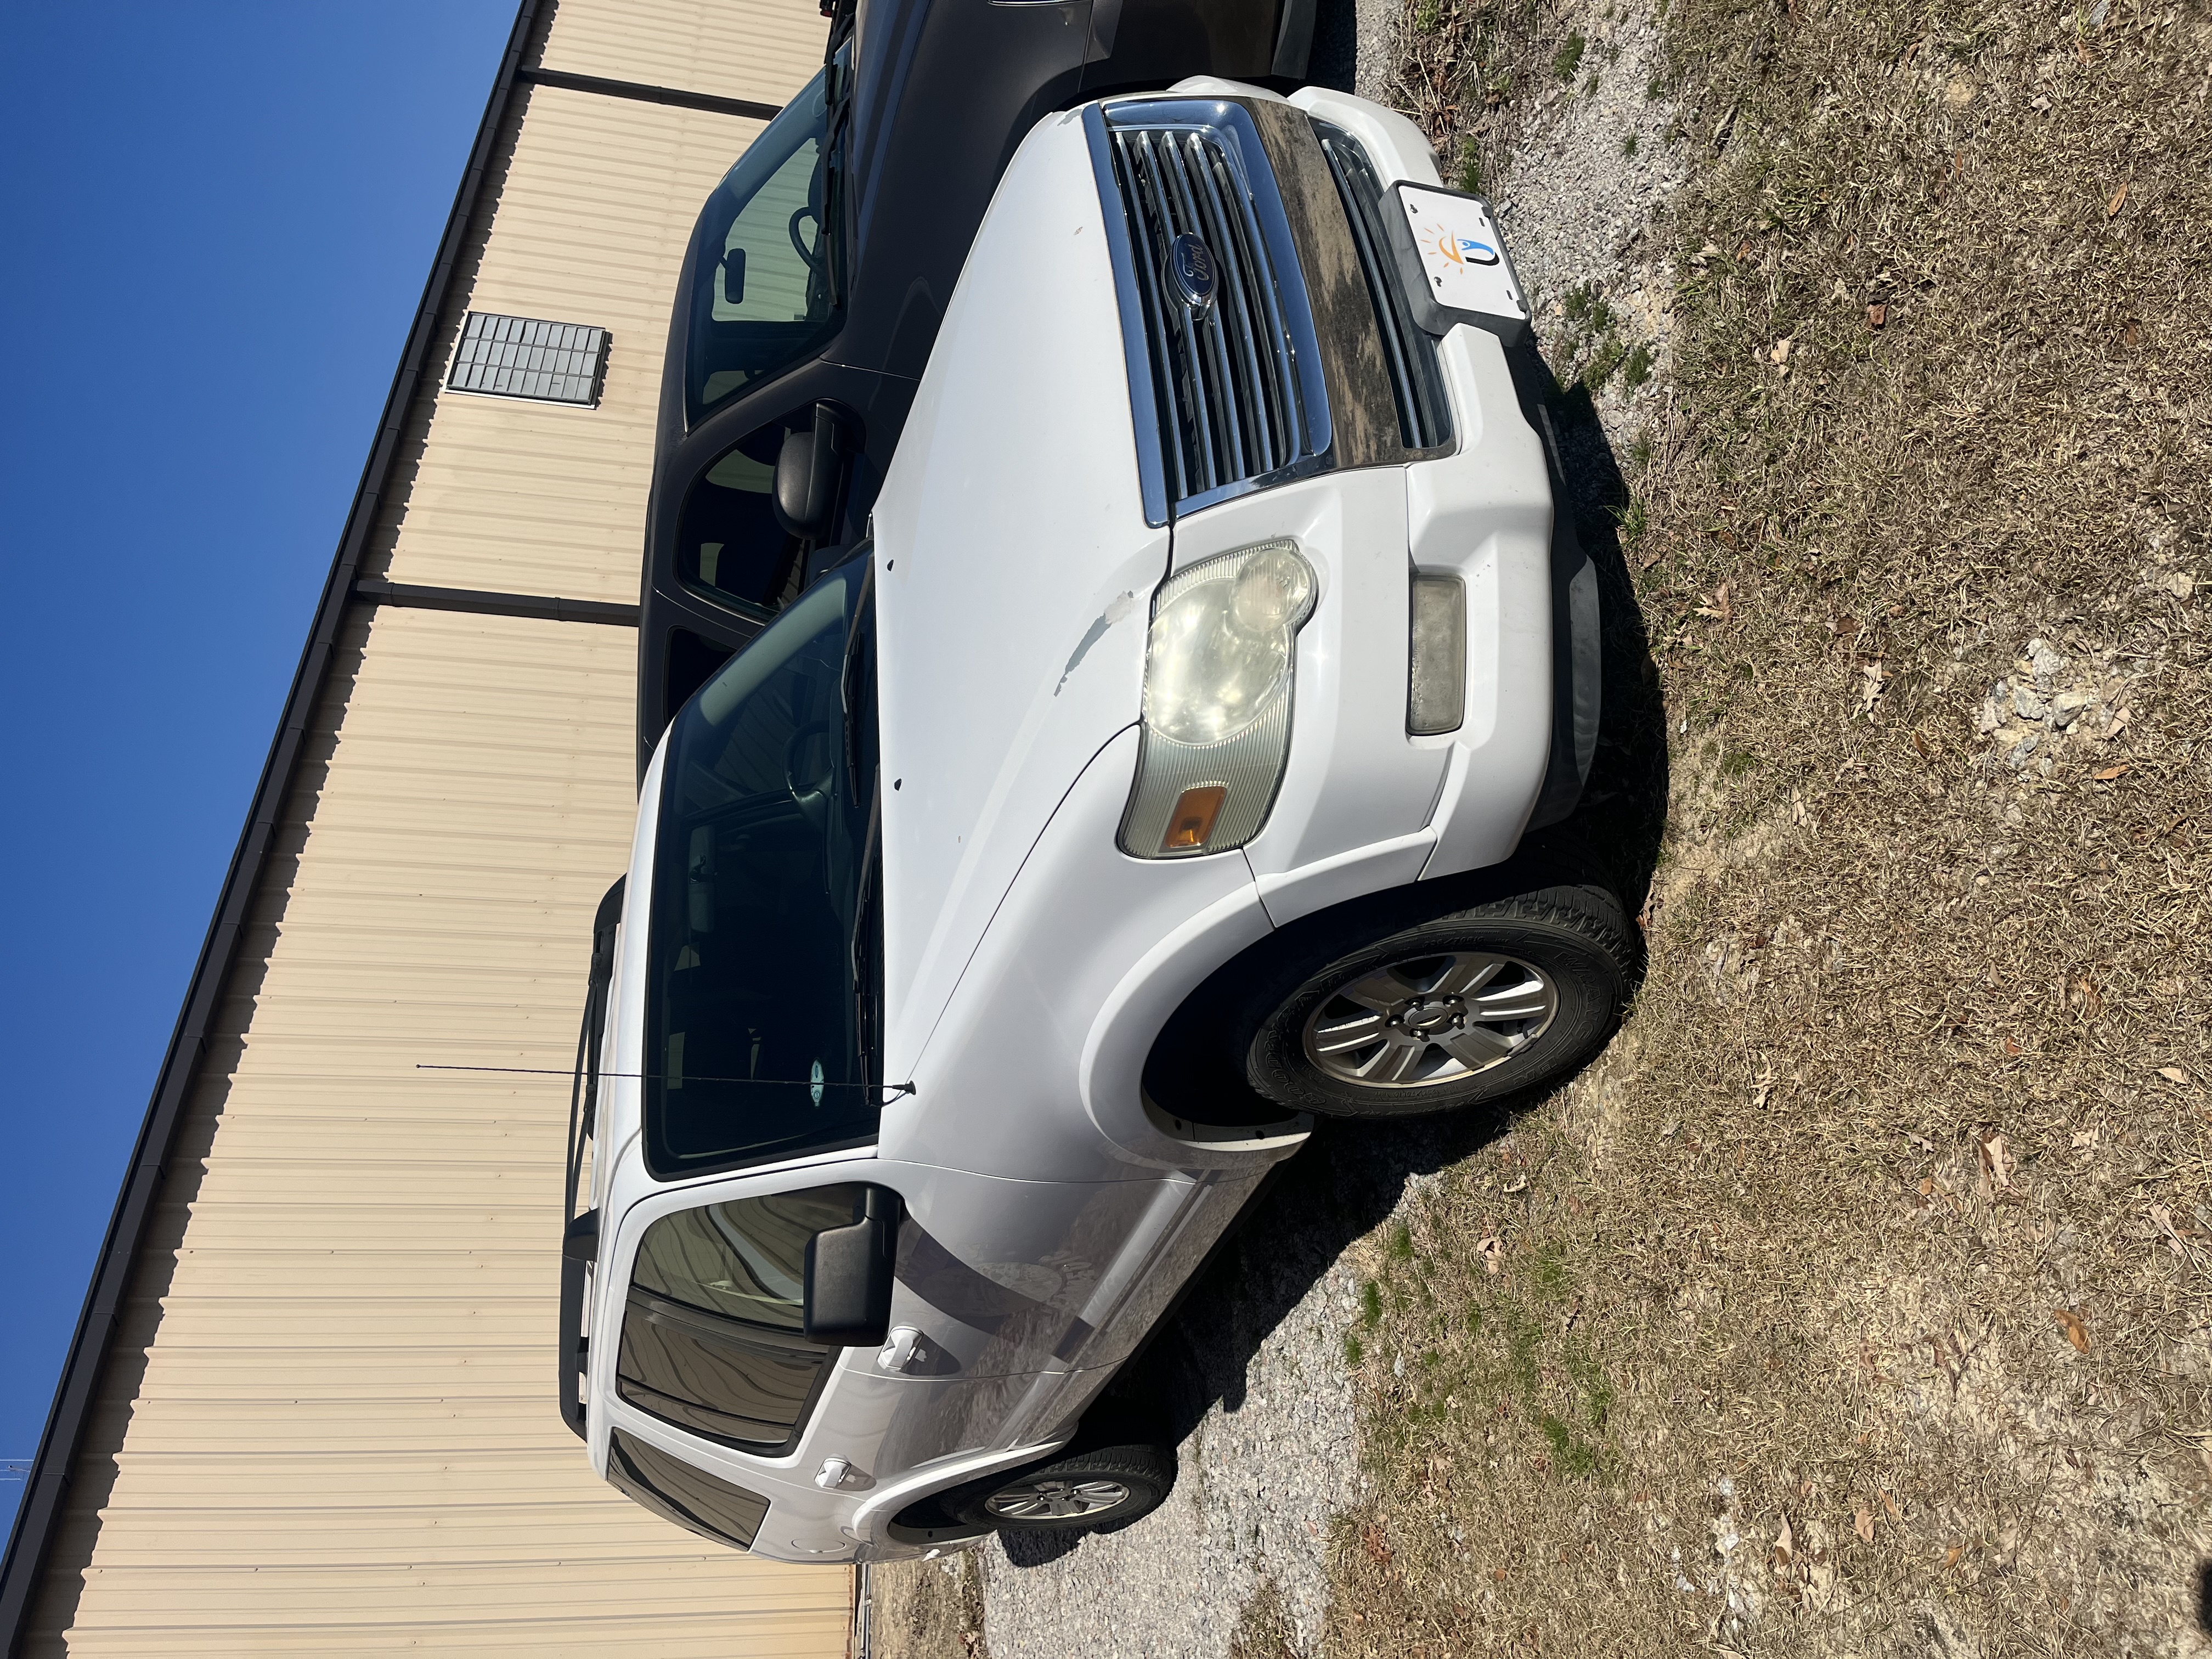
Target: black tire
(1563, 949)
(1023, 1500)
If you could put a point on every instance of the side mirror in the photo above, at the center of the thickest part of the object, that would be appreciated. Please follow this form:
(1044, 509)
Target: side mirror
(734, 277)
(580, 1240)
(808, 469)
(848, 1276)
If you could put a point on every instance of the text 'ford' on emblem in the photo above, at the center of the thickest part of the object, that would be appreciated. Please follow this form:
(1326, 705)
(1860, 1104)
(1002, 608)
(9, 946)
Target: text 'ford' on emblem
(1192, 269)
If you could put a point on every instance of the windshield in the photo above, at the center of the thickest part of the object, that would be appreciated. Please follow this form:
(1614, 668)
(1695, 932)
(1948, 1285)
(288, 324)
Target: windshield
(763, 985)
(764, 278)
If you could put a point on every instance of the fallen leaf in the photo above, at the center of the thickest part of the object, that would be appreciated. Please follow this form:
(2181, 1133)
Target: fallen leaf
(1520, 1185)
(1997, 1161)
(2132, 335)
(1890, 1503)
(1783, 1541)
(1489, 1249)
(2118, 196)
(1780, 351)
(2071, 1322)
(1927, 1185)
(1951, 1556)
(2107, 774)
(1378, 1547)
(1877, 316)
(2174, 1074)
(1921, 743)
(1874, 674)
(2163, 1218)
(1862, 1523)
(2010, 1047)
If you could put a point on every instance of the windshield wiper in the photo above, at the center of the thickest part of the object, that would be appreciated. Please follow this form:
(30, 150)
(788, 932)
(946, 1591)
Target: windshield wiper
(851, 660)
(856, 952)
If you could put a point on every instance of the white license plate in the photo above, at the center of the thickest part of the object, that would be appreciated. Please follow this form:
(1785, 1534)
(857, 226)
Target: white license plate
(1462, 254)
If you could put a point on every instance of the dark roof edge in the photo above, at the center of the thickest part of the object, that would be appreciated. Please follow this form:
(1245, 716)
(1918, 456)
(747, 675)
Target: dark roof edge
(47, 1485)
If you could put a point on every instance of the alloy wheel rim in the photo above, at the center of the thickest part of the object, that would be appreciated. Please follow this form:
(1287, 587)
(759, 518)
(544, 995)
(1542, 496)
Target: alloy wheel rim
(1056, 1499)
(1430, 1019)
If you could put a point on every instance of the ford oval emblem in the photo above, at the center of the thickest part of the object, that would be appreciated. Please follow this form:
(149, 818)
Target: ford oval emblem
(1193, 270)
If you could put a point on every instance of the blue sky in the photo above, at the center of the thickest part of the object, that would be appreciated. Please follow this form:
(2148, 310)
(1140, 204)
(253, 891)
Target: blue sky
(218, 222)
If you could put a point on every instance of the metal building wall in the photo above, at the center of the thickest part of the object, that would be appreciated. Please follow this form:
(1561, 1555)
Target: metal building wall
(322, 1421)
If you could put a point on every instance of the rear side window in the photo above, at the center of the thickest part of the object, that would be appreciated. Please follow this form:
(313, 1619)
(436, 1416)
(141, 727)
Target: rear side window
(711, 1336)
(693, 1499)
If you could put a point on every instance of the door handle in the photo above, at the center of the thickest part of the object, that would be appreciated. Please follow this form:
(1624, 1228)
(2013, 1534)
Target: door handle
(902, 1351)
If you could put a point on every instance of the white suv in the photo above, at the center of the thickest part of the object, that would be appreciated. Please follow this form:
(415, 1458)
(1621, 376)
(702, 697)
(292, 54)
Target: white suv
(1155, 783)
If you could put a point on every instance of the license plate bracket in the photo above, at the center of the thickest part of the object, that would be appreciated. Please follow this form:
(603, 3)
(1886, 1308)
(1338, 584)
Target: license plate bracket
(1452, 258)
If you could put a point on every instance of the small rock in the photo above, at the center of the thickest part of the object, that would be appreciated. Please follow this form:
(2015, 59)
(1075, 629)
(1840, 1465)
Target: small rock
(2045, 663)
(2026, 703)
(2066, 707)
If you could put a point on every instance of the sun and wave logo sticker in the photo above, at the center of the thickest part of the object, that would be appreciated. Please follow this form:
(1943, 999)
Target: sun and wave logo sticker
(1459, 250)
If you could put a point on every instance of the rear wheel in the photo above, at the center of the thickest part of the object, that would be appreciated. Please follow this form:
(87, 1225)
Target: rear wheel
(1479, 1003)
(1107, 1487)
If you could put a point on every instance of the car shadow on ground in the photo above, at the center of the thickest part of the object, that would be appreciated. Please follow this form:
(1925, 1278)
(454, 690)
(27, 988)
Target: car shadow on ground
(1352, 1176)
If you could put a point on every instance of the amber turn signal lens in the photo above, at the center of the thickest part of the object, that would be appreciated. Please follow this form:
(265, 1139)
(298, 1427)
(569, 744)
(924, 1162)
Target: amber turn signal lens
(1192, 821)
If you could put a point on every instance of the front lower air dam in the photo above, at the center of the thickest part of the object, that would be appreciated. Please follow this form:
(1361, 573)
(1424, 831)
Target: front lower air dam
(1217, 670)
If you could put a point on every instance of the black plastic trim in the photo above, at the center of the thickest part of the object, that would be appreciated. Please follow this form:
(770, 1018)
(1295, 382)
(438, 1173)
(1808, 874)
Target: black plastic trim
(637, 92)
(373, 590)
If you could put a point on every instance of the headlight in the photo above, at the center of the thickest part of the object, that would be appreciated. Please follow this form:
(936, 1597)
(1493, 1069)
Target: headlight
(1217, 701)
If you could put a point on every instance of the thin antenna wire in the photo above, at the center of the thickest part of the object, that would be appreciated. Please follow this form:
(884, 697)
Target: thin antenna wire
(893, 1089)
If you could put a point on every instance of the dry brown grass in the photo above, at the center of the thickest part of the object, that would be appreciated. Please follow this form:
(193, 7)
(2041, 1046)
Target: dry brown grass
(1860, 1300)
(928, 1609)
(1474, 75)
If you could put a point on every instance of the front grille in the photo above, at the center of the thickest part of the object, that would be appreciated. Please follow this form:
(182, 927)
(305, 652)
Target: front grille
(1416, 380)
(1233, 381)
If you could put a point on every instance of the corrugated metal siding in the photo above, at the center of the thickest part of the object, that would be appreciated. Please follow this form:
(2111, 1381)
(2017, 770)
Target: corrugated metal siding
(341, 1437)
(327, 1426)
(764, 50)
(595, 213)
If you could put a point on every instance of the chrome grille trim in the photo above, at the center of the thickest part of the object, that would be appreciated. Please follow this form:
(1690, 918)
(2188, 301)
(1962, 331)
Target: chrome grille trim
(1227, 398)
(1425, 420)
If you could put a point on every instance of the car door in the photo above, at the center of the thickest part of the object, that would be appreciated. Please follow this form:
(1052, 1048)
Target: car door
(709, 1339)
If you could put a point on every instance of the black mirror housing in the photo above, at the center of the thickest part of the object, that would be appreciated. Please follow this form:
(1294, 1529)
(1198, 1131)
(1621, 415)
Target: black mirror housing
(734, 277)
(848, 1276)
(809, 471)
(580, 1240)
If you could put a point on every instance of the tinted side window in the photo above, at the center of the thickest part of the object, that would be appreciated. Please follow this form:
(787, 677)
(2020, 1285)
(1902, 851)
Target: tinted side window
(703, 1374)
(729, 547)
(694, 1500)
(711, 1338)
(746, 1260)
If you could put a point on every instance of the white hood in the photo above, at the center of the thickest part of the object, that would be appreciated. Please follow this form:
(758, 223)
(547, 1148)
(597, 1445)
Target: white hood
(1014, 574)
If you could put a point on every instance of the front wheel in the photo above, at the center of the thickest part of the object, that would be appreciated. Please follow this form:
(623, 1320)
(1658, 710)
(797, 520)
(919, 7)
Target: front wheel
(1480, 1003)
(1107, 1487)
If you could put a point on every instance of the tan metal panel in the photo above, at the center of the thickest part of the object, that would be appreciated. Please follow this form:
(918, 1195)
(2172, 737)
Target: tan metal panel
(341, 1437)
(764, 51)
(595, 211)
(326, 1424)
